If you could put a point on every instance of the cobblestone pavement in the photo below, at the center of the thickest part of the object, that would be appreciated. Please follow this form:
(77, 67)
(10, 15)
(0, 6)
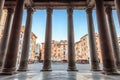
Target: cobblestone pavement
(59, 73)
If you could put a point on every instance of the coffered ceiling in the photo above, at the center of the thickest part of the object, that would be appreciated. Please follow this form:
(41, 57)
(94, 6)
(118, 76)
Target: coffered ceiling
(58, 4)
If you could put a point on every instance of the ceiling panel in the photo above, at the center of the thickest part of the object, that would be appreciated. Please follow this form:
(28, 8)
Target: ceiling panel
(58, 0)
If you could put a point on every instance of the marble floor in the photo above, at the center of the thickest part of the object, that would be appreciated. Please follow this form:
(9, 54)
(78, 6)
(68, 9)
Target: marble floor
(35, 74)
(59, 75)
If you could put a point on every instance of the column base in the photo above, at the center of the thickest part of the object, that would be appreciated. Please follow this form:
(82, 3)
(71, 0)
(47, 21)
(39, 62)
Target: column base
(96, 69)
(22, 70)
(0, 68)
(118, 67)
(72, 70)
(110, 73)
(95, 65)
(46, 70)
(8, 73)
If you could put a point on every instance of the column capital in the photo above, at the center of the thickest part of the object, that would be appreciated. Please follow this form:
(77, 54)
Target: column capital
(108, 9)
(89, 10)
(70, 10)
(49, 10)
(10, 10)
(30, 10)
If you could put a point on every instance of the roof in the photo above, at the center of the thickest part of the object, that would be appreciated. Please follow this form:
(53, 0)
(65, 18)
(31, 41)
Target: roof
(34, 35)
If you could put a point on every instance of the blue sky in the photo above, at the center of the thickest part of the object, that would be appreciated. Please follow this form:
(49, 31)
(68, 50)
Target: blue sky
(59, 24)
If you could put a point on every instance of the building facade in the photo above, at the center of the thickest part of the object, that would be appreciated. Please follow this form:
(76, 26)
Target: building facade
(82, 49)
(37, 52)
(58, 50)
(33, 47)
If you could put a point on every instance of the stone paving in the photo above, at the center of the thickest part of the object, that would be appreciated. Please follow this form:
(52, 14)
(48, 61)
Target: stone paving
(59, 74)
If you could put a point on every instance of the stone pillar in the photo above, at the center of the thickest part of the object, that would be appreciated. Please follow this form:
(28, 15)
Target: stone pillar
(109, 66)
(48, 38)
(71, 49)
(92, 41)
(6, 35)
(113, 35)
(11, 53)
(117, 3)
(26, 42)
(1, 7)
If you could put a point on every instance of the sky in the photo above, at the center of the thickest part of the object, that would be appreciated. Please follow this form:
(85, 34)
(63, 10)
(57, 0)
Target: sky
(59, 24)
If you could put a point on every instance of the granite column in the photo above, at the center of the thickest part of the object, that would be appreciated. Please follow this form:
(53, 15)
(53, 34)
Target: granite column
(6, 35)
(9, 66)
(113, 34)
(26, 41)
(71, 48)
(48, 39)
(92, 41)
(109, 66)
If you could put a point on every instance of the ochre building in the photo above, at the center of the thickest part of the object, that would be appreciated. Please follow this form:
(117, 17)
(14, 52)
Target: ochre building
(58, 50)
(82, 49)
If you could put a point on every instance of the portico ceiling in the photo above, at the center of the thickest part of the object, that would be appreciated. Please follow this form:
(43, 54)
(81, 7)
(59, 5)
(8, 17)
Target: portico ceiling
(58, 4)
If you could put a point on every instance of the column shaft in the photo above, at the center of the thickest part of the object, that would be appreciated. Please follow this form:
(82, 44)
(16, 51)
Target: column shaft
(92, 41)
(71, 49)
(11, 53)
(117, 3)
(48, 38)
(109, 66)
(6, 35)
(113, 35)
(1, 7)
(26, 42)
